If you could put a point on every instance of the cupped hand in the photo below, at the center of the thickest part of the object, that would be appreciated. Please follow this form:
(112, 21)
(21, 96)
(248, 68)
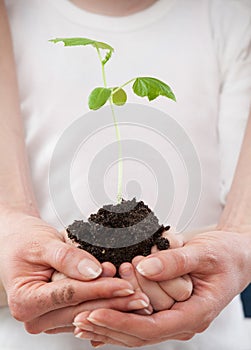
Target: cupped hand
(219, 265)
(31, 251)
(62, 320)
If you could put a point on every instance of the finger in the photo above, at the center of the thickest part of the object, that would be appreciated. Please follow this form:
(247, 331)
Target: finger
(192, 316)
(165, 265)
(34, 300)
(98, 333)
(87, 330)
(98, 337)
(64, 317)
(69, 329)
(71, 261)
(108, 269)
(57, 276)
(159, 299)
(114, 338)
(179, 288)
(123, 323)
(127, 273)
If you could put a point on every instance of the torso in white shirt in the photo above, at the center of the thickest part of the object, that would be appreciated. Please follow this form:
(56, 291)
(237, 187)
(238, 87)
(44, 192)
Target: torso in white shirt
(174, 41)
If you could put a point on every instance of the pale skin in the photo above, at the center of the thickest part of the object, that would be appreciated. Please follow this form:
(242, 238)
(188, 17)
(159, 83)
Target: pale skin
(165, 294)
(113, 7)
(32, 250)
(218, 261)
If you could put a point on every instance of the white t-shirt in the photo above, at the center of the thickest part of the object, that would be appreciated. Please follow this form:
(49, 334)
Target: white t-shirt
(202, 50)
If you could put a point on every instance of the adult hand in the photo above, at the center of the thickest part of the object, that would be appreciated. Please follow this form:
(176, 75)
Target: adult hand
(61, 320)
(31, 251)
(219, 265)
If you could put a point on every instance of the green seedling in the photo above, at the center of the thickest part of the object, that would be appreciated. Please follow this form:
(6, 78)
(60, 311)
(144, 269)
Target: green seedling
(142, 86)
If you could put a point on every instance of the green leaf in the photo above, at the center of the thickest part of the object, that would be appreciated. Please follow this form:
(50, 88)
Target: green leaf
(119, 97)
(98, 97)
(84, 42)
(152, 88)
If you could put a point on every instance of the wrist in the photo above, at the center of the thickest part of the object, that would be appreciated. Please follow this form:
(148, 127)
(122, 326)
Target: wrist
(234, 218)
(18, 209)
(234, 227)
(236, 215)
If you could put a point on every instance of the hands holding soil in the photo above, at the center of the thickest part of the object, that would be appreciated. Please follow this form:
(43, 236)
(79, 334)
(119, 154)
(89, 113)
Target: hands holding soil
(33, 251)
(214, 260)
(98, 303)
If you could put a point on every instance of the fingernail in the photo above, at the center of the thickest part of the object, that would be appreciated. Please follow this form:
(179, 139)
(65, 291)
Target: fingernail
(94, 321)
(87, 327)
(89, 269)
(77, 324)
(125, 271)
(123, 292)
(150, 267)
(147, 311)
(79, 335)
(137, 304)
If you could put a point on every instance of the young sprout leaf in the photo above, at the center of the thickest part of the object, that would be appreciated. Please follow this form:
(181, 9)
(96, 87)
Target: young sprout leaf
(152, 88)
(85, 42)
(98, 97)
(119, 97)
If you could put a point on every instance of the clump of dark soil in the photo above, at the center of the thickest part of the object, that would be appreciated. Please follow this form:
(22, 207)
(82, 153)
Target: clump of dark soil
(118, 233)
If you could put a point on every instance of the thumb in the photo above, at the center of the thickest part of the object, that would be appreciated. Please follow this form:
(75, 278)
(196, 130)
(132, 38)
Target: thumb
(71, 261)
(169, 264)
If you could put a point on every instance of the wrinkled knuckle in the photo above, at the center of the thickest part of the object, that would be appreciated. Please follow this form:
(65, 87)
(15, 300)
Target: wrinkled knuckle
(63, 255)
(181, 261)
(35, 250)
(211, 258)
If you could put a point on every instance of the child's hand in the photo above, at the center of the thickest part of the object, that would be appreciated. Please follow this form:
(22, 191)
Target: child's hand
(164, 294)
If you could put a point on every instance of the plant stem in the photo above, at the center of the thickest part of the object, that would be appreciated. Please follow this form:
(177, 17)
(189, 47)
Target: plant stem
(115, 122)
(103, 68)
(120, 162)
